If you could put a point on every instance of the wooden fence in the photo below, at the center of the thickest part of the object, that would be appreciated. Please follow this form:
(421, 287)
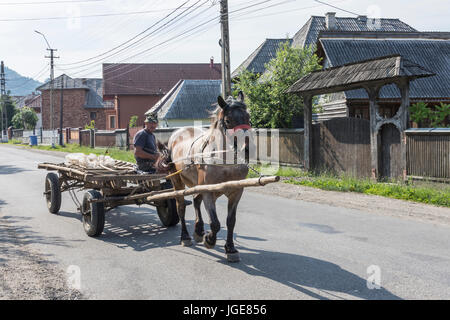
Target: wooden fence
(340, 145)
(428, 153)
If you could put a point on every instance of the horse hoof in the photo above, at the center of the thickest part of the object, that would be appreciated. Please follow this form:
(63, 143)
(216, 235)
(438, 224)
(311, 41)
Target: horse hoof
(207, 244)
(186, 242)
(197, 238)
(233, 257)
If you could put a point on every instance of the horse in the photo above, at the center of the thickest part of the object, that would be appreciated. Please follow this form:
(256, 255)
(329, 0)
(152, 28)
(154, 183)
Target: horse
(188, 145)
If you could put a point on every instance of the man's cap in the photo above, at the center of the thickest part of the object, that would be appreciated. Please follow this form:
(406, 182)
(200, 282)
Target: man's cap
(152, 117)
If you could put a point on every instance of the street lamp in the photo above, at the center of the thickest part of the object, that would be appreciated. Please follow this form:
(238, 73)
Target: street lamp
(51, 84)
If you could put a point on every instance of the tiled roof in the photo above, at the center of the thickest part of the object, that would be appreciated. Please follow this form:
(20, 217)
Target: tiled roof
(264, 53)
(309, 33)
(66, 81)
(378, 70)
(189, 99)
(153, 78)
(433, 55)
(93, 87)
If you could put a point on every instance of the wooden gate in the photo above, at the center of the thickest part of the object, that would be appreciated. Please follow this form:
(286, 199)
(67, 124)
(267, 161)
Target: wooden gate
(390, 153)
(342, 145)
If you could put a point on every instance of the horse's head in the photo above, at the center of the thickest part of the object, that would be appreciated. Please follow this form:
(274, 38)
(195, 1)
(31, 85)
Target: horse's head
(233, 119)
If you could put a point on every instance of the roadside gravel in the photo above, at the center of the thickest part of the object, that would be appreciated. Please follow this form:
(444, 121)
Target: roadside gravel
(27, 275)
(359, 201)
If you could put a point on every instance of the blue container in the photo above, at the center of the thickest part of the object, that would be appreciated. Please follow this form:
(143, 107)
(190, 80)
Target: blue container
(33, 141)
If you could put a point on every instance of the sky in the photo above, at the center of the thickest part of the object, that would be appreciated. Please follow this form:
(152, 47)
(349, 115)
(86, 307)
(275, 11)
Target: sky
(83, 43)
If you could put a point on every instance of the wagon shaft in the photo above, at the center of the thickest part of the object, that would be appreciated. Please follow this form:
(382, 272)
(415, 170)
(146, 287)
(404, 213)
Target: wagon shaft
(220, 187)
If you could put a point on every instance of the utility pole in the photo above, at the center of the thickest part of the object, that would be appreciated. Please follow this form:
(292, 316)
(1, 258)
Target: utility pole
(61, 143)
(52, 78)
(2, 99)
(225, 44)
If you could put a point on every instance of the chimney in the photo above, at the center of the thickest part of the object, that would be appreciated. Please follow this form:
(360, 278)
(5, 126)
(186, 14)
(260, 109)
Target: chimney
(362, 19)
(330, 20)
(211, 62)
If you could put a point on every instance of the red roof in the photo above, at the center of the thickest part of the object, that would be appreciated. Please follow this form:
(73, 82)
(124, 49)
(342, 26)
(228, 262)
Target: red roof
(153, 78)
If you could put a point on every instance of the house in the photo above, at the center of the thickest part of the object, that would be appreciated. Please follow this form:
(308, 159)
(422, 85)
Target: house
(189, 102)
(136, 88)
(308, 35)
(82, 102)
(34, 101)
(430, 50)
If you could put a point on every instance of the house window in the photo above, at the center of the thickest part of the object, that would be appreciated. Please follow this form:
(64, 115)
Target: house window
(112, 122)
(93, 115)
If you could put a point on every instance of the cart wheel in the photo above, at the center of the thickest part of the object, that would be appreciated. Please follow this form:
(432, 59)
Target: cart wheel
(93, 214)
(52, 192)
(167, 212)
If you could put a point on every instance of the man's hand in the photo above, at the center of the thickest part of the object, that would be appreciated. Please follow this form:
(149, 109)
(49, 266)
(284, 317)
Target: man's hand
(139, 152)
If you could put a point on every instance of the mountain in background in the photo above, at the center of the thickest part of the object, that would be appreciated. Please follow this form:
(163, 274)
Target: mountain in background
(19, 85)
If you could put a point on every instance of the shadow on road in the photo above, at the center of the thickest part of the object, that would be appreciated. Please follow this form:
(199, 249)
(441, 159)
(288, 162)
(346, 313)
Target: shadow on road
(313, 277)
(7, 169)
(14, 239)
(134, 227)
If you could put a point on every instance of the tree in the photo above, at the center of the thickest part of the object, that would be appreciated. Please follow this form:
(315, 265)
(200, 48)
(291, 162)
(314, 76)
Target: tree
(25, 118)
(10, 109)
(133, 121)
(268, 103)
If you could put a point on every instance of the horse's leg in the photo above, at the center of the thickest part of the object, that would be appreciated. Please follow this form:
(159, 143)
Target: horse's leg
(233, 200)
(210, 238)
(181, 209)
(199, 225)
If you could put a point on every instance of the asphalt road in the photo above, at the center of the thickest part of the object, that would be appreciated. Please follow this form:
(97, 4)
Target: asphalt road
(290, 249)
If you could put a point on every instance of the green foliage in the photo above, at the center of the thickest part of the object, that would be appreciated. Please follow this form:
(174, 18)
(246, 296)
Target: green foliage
(429, 195)
(25, 118)
(133, 121)
(10, 109)
(90, 126)
(437, 117)
(268, 103)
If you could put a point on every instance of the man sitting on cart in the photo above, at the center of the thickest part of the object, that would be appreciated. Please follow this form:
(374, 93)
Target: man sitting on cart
(145, 147)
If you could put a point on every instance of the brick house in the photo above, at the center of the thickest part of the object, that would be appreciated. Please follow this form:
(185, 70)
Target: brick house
(135, 88)
(82, 102)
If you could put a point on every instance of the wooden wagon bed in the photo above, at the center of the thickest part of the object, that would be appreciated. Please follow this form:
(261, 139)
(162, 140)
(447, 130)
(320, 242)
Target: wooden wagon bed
(110, 187)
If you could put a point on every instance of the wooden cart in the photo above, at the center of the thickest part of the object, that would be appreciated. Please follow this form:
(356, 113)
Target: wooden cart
(110, 187)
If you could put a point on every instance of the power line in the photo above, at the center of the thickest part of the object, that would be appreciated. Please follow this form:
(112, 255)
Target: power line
(136, 36)
(47, 2)
(39, 74)
(330, 5)
(208, 21)
(85, 16)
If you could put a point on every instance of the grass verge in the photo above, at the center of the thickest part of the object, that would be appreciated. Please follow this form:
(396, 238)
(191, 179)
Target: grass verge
(114, 153)
(429, 193)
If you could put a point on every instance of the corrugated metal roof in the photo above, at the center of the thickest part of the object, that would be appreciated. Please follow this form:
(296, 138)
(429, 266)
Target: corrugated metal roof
(65, 81)
(379, 70)
(189, 99)
(433, 55)
(309, 33)
(153, 78)
(264, 53)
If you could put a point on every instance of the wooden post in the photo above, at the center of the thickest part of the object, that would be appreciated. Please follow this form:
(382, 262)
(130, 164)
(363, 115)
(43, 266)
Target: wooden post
(404, 119)
(92, 138)
(79, 136)
(307, 120)
(374, 138)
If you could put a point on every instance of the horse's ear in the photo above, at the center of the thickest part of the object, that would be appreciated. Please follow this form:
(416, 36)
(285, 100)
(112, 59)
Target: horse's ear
(241, 96)
(222, 102)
